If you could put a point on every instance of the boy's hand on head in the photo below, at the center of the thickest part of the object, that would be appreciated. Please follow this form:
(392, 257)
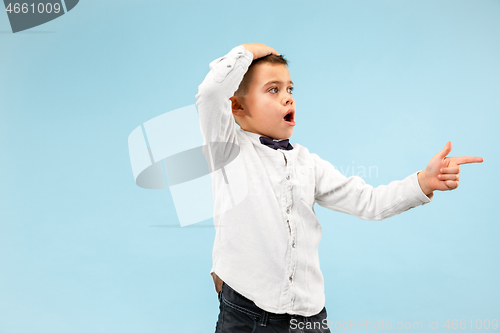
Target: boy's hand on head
(259, 50)
(442, 173)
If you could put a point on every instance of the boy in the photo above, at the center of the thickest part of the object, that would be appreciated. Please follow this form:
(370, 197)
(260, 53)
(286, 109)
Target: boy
(265, 259)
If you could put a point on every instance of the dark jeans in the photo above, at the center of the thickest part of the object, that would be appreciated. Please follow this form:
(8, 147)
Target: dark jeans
(238, 314)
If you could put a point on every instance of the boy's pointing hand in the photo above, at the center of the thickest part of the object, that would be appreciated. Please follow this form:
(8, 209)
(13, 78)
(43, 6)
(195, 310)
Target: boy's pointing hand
(259, 50)
(442, 173)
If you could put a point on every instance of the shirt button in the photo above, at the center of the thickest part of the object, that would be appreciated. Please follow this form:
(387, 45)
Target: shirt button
(288, 210)
(240, 52)
(293, 244)
(228, 65)
(288, 177)
(290, 278)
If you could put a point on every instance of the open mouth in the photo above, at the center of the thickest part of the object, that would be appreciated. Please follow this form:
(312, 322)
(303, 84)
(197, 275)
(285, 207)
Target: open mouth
(289, 117)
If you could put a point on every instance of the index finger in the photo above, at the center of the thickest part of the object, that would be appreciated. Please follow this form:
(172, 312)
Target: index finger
(465, 159)
(273, 51)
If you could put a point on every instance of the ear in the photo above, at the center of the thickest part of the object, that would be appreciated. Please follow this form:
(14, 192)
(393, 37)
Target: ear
(236, 106)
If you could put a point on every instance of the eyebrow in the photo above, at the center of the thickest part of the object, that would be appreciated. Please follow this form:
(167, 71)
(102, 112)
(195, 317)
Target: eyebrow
(278, 82)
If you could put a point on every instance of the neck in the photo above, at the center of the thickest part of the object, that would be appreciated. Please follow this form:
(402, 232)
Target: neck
(277, 139)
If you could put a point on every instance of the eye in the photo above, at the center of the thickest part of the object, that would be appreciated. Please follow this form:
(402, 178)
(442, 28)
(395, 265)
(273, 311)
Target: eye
(273, 89)
(290, 90)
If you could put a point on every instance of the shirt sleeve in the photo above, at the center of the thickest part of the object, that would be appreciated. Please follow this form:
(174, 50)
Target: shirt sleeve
(353, 196)
(214, 107)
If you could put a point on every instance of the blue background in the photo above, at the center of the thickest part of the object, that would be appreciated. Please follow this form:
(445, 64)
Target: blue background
(381, 83)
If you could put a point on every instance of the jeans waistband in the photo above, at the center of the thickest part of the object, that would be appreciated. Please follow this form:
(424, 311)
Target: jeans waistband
(246, 305)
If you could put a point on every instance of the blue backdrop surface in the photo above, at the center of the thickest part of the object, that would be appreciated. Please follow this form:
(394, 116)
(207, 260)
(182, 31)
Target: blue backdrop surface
(380, 87)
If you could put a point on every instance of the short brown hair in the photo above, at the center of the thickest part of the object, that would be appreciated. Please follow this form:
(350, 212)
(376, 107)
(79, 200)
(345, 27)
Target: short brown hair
(247, 78)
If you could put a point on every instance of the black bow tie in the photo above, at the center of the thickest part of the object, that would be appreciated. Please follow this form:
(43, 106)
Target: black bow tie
(283, 144)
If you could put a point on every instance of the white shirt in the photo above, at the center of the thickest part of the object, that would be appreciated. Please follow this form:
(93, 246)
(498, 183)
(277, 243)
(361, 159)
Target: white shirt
(267, 234)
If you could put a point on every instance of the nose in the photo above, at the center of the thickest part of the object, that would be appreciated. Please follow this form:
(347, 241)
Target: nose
(288, 100)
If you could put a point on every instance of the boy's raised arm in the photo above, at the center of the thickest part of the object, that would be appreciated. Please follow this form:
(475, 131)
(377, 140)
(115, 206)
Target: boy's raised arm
(214, 107)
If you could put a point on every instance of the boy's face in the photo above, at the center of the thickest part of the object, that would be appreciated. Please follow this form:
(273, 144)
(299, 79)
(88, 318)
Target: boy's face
(268, 108)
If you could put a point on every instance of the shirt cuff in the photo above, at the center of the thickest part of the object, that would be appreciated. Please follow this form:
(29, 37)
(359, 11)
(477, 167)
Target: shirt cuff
(241, 51)
(414, 194)
(237, 57)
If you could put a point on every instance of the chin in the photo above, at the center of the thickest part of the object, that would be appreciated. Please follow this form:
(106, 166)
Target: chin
(279, 136)
(285, 137)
